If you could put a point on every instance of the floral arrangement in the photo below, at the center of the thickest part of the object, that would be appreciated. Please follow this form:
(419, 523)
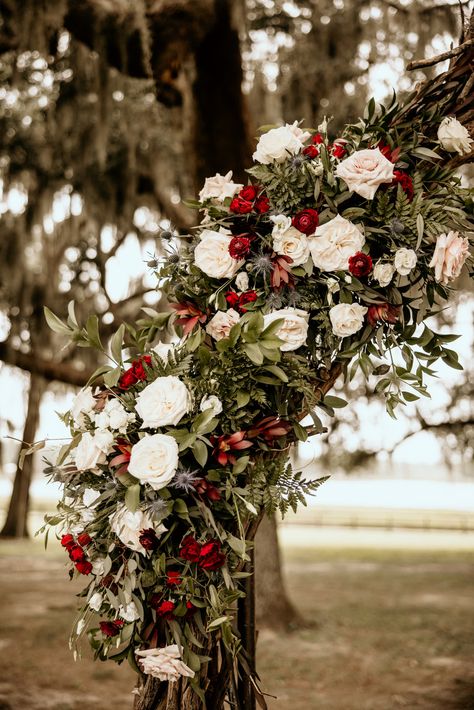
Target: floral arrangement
(329, 261)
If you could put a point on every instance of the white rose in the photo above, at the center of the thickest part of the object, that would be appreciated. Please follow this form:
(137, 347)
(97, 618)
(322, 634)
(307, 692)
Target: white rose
(164, 350)
(450, 253)
(280, 224)
(212, 255)
(219, 187)
(242, 281)
(95, 602)
(83, 404)
(92, 450)
(454, 137)
(333, 244)
(211, 402)
(221, 323)
(292, 243)
(128, 526)
(129, 612)
(279, 143)
(154, 460)
(347, 318)
(294, 329)
(364, 171)
(164, 663)
(405, 261)
(165, 401)
(384, 273)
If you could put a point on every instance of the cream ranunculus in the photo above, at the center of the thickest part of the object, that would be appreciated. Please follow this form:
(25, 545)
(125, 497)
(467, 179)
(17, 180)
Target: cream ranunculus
(129, 612)
(114, 416)
(242, 281)
(219, 187)
(164, 663)
(383, 273)
(212, 255)
(364, 171)
(347, 318)
(128, 526)
(221, 323)
(294, 329)
(404, 261)
(450, 253)
(92, 450)
(454, 137)
(163, 402)
(278, 144)
(292, 243)
(154, 460)
(333, 244)
(211, 402)
(83, 404)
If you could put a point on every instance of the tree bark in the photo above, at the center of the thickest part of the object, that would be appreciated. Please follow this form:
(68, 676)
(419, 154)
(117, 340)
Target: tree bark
(16, 521)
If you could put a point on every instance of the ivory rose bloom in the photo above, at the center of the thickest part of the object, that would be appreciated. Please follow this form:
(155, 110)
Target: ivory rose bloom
(128, 526)
(219, 187)
(83, 404)
(92, 450)
(294, 329)
(278, 144)
(211, 402)
(454, 137)
(334, 243)
(405, 261)
(347, 318)
(221, 323)
(364, 171)
(292, 243)
(95, 602)
(164, 663)
(242, 281)
(212, 255)
(383, 273)
(129, 612)
(165, 401)
(154, 460)
(450, 253)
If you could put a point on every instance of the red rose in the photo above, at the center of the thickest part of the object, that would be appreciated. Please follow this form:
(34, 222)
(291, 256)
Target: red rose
(338, 150)
(135, 373)
(240, 206)
(67, 541)
(148, 539)
(173, 578)
(166, 609)
(190, 609)
(311, 151)
(232, 298)
(76, 553)
(211, 557)
(247, 297)
(360, 264)
(249, 193)
(317, 138)
(405, 182)
(84, 567)
(111, 628)
(383, 312)
(190, 549)
(84, 539)
(239, 247)
(306, 221)
(262, 204)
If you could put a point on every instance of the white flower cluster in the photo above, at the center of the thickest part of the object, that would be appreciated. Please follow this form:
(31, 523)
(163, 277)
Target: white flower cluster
(164, 663)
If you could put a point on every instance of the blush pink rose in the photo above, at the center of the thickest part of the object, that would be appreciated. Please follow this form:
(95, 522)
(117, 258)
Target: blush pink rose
(364, 171)
(449, 256)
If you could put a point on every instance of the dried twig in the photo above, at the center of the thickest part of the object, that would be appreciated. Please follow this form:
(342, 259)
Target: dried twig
(421, 63)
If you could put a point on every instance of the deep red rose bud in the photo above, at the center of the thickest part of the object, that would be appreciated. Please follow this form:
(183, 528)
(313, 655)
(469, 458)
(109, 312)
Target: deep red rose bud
(84, 539)
(338, 150)
(190, 549)
(173, 578)
(249, 193)
(360, 264)
(148, 539)
(166, 609)
(76, 553)
(311, 152)
(306, 221)
(383, 312)
(317, 138)
(405, 182)
(262, 204)
(239, 206)
(135, 373)
(247, 297)
(111, 628)
(211, 557)
(239, 247)
(232, 298)
(67, 541)
(84, 567)
(190, 609)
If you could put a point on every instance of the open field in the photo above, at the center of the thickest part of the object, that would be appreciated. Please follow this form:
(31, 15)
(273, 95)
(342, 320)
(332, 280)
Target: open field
(387, 628)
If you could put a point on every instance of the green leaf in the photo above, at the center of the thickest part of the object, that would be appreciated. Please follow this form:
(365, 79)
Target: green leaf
(278, 372)
(217, 622)
(240, 465)
(132, 497)
(56, 323)
(253, 352)
(334, 402)
(112, 377)
(116, 344)
(92, 328)
(199, 449)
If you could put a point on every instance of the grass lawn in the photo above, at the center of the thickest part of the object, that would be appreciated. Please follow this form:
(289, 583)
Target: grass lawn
(387, 628)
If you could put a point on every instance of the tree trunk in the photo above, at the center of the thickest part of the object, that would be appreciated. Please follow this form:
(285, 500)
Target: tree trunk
(16, 521)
